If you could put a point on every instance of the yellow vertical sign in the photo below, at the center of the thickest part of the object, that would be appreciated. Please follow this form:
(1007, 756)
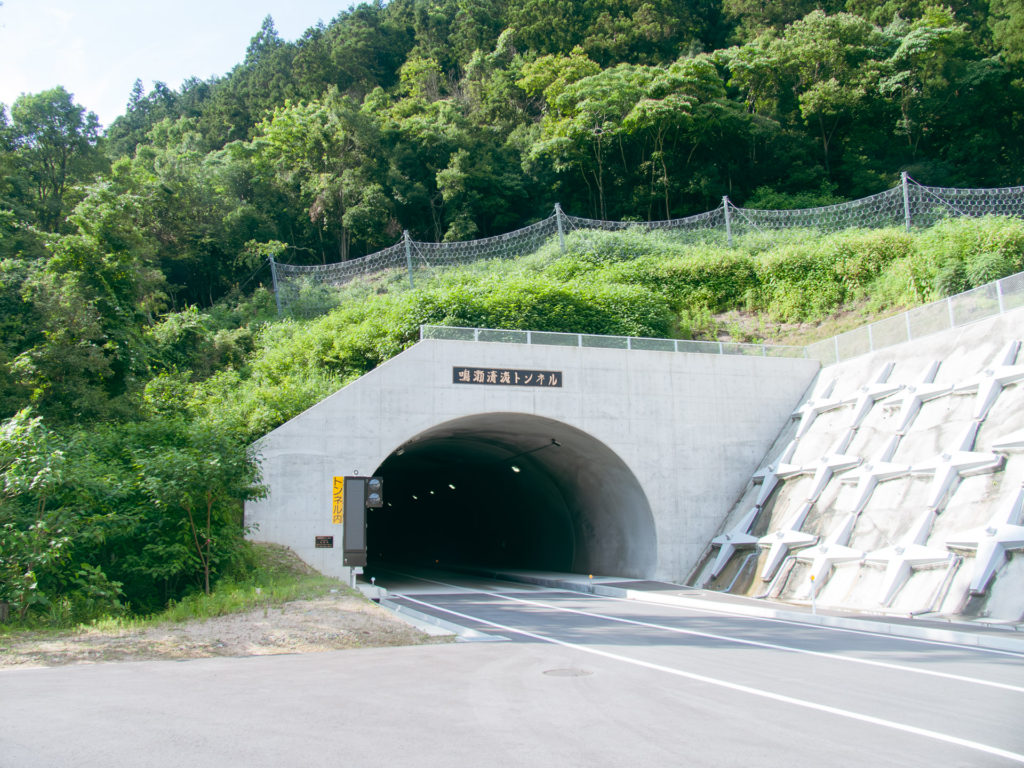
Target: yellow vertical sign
(338, 501)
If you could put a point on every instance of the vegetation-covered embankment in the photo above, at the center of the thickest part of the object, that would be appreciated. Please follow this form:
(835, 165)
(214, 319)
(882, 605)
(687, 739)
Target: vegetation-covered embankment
(144, 508)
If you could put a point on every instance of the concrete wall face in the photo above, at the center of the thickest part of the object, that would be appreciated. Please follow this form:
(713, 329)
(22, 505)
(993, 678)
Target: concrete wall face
(690, 428)
(913, 545)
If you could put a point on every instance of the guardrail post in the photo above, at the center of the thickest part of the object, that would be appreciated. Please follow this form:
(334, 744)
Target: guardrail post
(561, 227)
(728, 219)
(952, 314)
(999, 296)
(408, 256)
(273, 279)
(906, 198)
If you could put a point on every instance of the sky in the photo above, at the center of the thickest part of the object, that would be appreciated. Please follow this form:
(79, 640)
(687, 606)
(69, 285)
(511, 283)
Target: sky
(97, 48)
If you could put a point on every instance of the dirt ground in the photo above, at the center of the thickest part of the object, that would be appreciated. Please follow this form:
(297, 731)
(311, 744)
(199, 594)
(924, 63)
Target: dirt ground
(304, 626)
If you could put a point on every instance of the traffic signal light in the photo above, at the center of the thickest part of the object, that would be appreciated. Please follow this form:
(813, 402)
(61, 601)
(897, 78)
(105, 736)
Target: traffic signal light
(374, 493)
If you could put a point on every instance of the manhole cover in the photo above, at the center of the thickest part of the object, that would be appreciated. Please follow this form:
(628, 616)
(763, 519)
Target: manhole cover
(567, 672)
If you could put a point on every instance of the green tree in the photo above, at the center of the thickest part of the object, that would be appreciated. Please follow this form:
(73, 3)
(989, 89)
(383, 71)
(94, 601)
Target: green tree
(201, 475)
(55, 147)
(328, 154)
(820, 72)
(1006, 20)
(32, 546)
(584, 131)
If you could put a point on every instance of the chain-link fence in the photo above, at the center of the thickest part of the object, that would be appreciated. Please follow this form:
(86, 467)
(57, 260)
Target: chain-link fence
(310, 290)
(977, 304)
(548, 338)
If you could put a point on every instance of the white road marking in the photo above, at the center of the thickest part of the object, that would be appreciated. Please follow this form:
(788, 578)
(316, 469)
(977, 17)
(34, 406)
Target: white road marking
(793, 622)
(737, 640)
(977, 746)
(642, 597)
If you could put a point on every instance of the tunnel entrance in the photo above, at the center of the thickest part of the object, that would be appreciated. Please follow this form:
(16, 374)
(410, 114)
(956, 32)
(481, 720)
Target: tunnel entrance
(511, 490)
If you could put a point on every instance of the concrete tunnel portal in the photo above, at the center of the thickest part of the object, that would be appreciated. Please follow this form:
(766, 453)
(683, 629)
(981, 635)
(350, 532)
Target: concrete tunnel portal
(511, 490)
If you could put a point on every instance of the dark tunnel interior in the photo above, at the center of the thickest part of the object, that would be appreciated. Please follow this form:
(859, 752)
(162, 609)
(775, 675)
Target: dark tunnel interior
(515, 491)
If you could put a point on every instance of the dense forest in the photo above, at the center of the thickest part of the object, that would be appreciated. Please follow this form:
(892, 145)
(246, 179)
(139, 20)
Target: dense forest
(138, 354)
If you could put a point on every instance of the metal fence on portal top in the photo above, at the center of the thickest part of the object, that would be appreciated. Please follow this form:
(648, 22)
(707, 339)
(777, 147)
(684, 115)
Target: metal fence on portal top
(548, 338)
(977, 304)
(310, 290)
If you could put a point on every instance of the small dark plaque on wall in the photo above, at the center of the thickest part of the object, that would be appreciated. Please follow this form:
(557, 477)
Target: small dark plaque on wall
(507, 377)
(325, 542)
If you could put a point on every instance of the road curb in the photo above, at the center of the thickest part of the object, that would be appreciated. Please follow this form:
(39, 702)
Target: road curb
(435, 626)
(1011, 641)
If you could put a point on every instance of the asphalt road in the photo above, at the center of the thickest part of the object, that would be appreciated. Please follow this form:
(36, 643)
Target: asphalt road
(578, 681)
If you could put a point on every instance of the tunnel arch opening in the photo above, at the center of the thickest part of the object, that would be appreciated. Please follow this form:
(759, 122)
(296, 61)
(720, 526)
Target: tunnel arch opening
(511, 490)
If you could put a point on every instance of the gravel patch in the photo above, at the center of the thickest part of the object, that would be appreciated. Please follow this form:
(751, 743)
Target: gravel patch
(302, 626)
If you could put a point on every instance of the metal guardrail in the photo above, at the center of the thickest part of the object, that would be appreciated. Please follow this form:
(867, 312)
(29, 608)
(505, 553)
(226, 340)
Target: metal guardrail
(977, 304)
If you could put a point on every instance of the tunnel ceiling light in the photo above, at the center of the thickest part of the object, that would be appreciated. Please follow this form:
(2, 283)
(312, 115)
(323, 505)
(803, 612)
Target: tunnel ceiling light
(451, 486)
(415, 497)
(515, 469)
(431, 493)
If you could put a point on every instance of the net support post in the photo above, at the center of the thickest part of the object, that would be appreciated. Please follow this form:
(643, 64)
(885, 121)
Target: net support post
(408, 255)
(273, 279)
(728, 219)
(905, 184)
(561, 227)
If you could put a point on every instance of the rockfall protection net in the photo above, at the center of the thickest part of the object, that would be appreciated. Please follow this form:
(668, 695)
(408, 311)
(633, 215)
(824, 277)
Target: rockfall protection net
(310, 290)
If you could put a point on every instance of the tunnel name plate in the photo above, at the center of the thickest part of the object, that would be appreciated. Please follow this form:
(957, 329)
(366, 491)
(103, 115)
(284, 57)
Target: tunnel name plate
(325, 542)
(505, 377)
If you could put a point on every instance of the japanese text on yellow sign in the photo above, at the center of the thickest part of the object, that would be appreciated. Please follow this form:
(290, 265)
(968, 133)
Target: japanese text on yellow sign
(338, 501)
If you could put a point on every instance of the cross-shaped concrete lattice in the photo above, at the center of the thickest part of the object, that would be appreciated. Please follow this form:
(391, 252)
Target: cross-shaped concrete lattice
(810, 410)
(990, 542)
(990, 382)
(868, 476)
(869, 393)
(781, 541)
(733, 539)
(833, 550)
(900, 559)
(914, 395)
(948, 468)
